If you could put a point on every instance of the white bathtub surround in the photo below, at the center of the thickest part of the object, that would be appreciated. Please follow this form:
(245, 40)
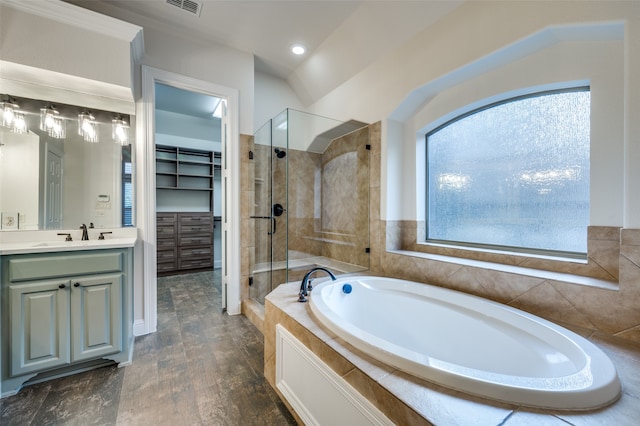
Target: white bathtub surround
(467, 343)
(406, 399)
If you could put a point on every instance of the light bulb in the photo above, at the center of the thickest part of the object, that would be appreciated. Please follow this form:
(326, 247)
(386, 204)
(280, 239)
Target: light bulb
(298, 49)
(120, 132)
(19, 123)
(7, 116)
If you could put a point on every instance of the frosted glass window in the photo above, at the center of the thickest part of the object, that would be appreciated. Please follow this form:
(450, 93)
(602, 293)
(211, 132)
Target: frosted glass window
(513, 174)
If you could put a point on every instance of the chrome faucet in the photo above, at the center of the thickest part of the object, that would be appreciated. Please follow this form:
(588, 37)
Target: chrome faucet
(305, 287)
(85, 234)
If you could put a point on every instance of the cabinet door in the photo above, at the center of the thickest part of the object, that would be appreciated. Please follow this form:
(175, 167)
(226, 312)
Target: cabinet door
(39, 325)
(96, 316)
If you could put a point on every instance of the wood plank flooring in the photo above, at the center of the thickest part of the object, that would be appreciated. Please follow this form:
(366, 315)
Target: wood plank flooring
(202, 367)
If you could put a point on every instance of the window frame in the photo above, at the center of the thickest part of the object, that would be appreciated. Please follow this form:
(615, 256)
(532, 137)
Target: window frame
(495, 247)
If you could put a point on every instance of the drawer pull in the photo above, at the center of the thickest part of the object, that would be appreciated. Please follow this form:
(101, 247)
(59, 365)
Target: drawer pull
(76, 284)
(62, 286)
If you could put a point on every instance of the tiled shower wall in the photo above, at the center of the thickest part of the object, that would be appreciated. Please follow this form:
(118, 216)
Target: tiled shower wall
(329, 200)
(327, 208)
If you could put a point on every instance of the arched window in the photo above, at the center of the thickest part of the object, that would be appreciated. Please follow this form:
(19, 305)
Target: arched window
(513, 175)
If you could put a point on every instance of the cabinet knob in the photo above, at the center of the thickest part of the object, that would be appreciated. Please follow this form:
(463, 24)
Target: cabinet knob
(62, 286)
(76, 284)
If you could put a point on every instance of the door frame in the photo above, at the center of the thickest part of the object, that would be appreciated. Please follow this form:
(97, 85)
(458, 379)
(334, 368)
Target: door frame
(146, 195)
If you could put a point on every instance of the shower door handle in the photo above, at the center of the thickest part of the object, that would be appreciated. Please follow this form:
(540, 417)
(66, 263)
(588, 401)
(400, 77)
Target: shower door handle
(273, 223)
(273, 227)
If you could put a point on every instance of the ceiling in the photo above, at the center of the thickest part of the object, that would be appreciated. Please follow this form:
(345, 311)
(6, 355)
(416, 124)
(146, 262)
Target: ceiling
(265, 28)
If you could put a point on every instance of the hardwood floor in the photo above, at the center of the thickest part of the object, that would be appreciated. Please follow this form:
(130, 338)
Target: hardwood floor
(202, 367)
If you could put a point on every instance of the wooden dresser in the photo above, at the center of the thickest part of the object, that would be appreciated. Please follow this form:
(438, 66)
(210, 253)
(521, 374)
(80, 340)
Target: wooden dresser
(184, 242)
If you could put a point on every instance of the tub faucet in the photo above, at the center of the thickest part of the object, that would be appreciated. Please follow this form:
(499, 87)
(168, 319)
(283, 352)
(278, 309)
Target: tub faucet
(85, 234)
(304, 286)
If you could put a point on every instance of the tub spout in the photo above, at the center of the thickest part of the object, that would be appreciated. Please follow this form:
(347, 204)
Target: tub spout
(304, 286)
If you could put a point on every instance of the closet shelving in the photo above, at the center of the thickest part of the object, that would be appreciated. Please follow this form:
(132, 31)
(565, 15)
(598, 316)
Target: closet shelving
(186, 224)
(185, 176)
(185, 169)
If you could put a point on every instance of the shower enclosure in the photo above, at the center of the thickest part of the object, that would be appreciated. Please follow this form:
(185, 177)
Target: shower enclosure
(311, 204)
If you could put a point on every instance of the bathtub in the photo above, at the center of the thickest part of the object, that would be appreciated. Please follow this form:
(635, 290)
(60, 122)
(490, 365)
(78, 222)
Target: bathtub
(467, 343)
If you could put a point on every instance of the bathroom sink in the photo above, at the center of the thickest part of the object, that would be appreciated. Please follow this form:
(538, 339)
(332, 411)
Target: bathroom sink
(56, 244)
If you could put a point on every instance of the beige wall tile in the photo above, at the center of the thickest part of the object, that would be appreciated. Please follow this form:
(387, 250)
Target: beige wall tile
(609, 233)
(504, 287)
(546, 301)
(630, 236)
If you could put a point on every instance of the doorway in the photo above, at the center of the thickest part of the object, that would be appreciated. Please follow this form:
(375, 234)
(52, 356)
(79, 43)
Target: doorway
(188, 140)
(146, 199)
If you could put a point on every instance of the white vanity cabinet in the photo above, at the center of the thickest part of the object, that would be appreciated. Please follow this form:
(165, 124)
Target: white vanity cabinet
(64, 312)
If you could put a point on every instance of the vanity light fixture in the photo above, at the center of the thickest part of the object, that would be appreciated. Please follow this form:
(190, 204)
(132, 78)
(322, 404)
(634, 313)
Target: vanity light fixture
(87, 127)
(9, 108)
(52, 123)
(12, 117)
(19, 123)
(120, 130)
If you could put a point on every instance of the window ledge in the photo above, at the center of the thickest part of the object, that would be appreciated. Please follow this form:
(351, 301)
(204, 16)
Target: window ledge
(513, 269)
(552, 258)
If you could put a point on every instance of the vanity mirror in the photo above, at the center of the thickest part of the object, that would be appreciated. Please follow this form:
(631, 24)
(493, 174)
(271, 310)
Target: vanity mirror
(62, 166)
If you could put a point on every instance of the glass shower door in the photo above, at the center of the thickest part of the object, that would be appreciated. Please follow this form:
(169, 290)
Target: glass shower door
(270, 207)
(263, 222)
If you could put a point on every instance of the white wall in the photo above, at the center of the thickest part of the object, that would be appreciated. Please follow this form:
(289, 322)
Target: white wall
(205, 61)
(58, 52)
(479, 37)
(59, 46)
(271, 96)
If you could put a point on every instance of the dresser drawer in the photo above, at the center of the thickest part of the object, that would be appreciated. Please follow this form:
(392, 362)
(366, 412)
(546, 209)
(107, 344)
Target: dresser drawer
(196, 252)
(184, 228)
(165, 231)
(166, 255)
(195, 263)
(195, 218)
(166, 266)
(195, 240)
(165, 219)
(165, 244)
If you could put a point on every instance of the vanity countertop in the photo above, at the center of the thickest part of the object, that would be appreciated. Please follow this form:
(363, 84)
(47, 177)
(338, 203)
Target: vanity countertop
(49, 241)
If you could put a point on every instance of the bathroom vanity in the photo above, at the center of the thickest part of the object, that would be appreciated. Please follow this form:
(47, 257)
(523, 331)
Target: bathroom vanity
(65, 307)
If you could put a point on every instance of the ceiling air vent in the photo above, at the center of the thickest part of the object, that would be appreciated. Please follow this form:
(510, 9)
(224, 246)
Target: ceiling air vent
(190, 6)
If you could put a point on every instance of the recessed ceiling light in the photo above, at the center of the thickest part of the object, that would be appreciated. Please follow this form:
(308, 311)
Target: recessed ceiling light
(298, 49)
